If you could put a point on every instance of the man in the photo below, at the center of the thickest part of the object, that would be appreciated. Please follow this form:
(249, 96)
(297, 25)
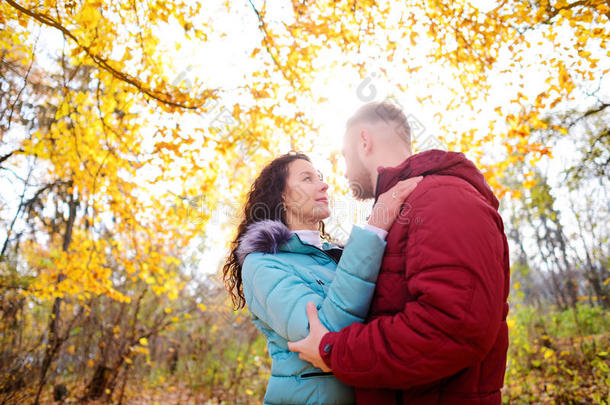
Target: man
(436, 331)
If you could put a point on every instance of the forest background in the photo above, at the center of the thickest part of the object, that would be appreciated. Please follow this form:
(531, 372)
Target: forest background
(131, 131)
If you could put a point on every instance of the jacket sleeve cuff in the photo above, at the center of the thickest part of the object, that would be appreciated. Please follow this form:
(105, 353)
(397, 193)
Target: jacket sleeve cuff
(382, 233)
(326, 347)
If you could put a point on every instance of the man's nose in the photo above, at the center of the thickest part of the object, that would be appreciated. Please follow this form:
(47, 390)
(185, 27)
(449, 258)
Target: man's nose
(324, 186)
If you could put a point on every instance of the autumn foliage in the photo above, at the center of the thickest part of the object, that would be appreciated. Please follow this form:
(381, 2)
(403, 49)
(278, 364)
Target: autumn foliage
(114, 157)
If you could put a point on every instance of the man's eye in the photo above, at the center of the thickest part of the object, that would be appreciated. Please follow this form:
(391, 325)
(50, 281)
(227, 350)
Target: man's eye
(308, 178)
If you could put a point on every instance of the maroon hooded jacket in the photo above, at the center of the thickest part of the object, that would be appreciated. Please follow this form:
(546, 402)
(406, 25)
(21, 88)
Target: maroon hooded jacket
(436, 332)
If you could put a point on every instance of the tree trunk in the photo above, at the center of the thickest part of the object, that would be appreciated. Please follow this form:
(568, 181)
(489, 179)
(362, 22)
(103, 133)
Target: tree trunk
(55, 339)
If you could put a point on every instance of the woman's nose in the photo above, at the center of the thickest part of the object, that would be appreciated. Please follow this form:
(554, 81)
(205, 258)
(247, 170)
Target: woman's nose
(324, 186)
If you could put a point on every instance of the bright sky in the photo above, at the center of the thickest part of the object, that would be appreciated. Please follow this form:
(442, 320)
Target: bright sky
(346, 91)
(231, 58)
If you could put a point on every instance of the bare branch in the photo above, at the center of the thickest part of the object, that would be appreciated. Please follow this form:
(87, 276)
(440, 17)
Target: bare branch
(8, 155)
(592, 111)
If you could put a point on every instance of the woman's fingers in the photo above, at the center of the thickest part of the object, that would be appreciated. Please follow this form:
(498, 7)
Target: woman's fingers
(411, 185)
(387, 207)
(405, 187)
(412, 182)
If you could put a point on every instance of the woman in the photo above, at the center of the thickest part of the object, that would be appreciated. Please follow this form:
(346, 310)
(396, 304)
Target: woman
(278, 263)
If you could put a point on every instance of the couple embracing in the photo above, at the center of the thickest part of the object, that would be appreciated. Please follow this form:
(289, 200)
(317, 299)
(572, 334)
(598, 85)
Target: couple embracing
(411, 310)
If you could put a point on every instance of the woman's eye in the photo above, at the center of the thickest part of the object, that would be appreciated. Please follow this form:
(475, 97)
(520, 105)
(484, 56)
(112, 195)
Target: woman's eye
(308, 178)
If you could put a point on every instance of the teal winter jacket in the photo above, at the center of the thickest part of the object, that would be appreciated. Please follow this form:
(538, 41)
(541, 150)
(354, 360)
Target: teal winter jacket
(280, 275)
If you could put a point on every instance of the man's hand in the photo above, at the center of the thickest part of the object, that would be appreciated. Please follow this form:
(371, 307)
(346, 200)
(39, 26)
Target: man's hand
(308, 347)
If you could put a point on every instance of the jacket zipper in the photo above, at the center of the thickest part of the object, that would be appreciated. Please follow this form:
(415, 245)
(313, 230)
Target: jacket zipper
(399, 397)
(316, 374)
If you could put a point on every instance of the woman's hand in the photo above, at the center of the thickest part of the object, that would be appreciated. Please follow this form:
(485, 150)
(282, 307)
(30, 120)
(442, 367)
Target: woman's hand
(387, 207)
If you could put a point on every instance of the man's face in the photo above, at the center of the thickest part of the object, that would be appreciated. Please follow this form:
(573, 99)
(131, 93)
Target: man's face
(360, 179)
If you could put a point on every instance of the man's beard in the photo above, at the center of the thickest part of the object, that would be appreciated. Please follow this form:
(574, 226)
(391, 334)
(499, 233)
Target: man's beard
(362, 184)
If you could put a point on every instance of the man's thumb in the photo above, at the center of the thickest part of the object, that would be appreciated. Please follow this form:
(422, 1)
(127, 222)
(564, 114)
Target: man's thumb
(312, 314)
(294, 346)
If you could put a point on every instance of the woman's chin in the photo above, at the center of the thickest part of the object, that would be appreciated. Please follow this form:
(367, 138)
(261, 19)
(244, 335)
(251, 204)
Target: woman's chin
(321, 213)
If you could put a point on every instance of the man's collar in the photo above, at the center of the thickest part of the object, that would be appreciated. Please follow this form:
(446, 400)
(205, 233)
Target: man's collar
(388, 176)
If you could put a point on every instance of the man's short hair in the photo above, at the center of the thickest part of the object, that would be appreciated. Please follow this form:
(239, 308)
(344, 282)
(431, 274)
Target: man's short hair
(386, 112)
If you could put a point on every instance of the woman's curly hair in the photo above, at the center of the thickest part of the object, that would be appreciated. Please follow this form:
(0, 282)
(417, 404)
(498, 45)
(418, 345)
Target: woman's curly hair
(264, 201)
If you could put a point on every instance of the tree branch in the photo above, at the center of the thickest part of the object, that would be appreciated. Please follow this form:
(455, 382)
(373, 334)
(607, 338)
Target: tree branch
(557, 10)
(593, 111)
(103, 63)
(8, 155)
(277, 63)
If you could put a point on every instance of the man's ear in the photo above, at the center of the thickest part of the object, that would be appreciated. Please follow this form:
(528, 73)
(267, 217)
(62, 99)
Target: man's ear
(366, 142)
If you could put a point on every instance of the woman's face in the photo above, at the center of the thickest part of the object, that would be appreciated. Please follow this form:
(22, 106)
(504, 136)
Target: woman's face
(305, 195)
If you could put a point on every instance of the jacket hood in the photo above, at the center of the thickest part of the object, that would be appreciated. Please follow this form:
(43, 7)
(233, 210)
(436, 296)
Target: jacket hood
(262, 236)
(437, 162)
